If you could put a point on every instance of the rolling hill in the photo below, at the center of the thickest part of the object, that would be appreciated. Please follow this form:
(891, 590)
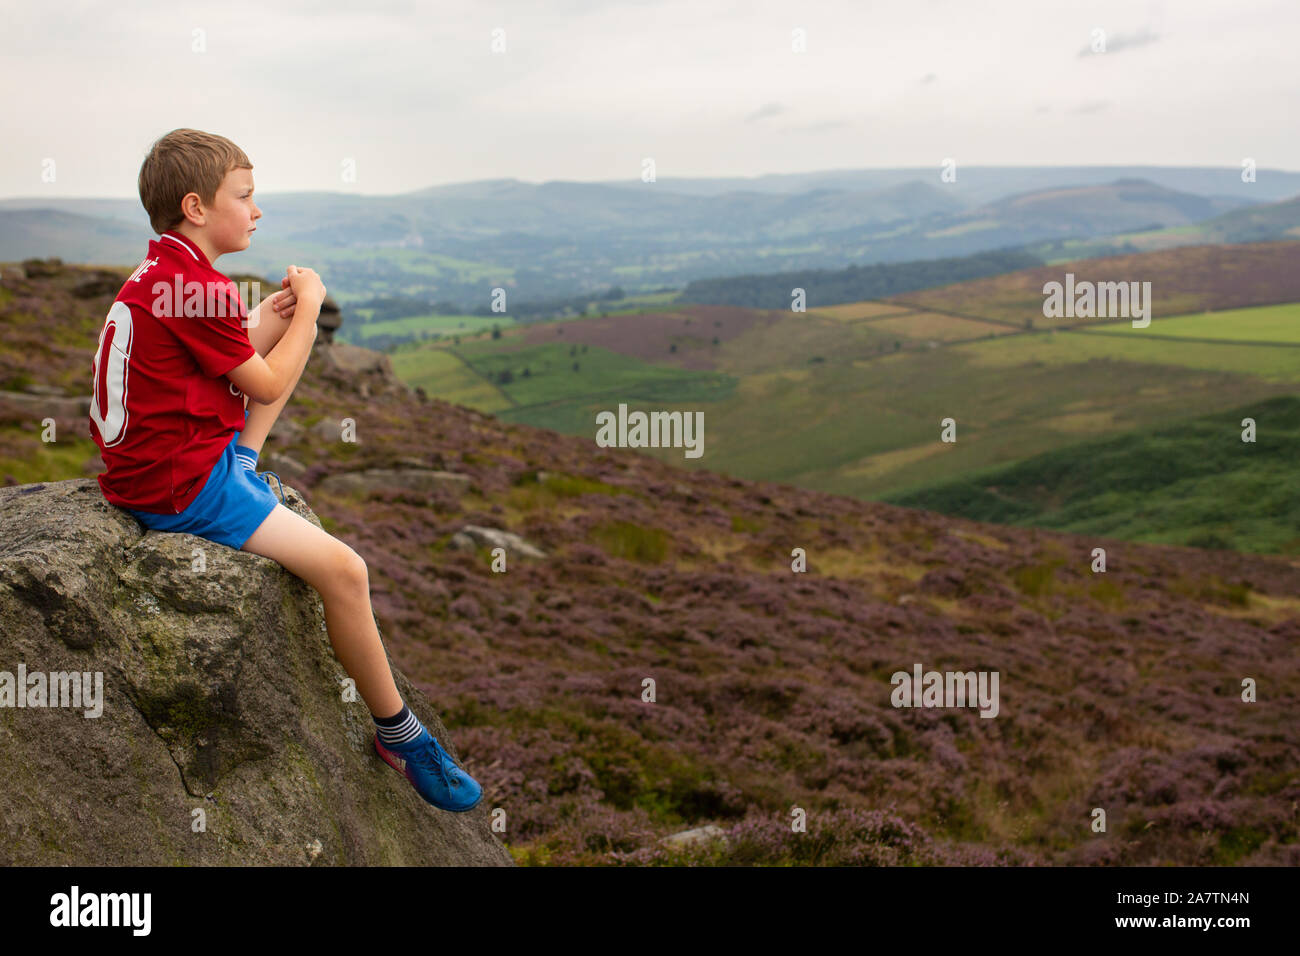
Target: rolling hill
(1195, 483)
(1124, 205)
(1280, 220)
(557, 239)
(848, 399)
(1186, 279)
(1264, 222)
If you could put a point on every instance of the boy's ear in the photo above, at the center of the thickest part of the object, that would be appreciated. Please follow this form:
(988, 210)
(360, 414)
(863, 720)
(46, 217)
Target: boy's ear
(194, 206)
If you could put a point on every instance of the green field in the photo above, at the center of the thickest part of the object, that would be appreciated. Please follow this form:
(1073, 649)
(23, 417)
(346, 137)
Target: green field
(841, 403)
(1276, 324)
(1268, 363)
(445, 326)
(872, 428)
(554, 395)
(444, 375)
(633, 303)
(1195, 483)
(431, 325)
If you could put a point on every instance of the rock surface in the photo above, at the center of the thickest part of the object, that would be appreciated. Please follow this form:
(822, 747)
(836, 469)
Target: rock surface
(695, 836)
(49, 404)
(472, 537)
(358, 366)
(221, 694)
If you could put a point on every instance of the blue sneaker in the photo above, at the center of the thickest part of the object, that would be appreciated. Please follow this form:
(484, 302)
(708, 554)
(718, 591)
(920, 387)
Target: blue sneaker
(433, 773)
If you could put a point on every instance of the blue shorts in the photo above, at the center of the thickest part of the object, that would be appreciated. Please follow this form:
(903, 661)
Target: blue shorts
(232, 505)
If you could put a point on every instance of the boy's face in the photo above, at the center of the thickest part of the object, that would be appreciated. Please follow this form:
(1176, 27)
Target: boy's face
(230, 221)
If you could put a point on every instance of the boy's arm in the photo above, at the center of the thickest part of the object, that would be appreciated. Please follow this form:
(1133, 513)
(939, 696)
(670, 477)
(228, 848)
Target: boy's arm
(282, 305)
(266, 379)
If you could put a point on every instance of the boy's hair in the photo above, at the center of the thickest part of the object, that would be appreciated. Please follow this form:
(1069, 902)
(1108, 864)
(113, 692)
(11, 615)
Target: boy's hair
(182, 162)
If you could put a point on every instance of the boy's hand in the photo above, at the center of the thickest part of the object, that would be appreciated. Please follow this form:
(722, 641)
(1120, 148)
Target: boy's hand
(284, 301)
(306, 285)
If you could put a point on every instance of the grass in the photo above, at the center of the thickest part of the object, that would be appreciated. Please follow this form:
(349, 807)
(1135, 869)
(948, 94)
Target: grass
(531, 494)
(38, 460)
(433, 325)
(552, 378)
(1196, 484)
(1107, 594)
(1061, 350)
(1213, 590)
(633, 542)
(1237, 843)
(822, 400)
(1036, 580)
(931, 326)
(442, 374)
(1265, 323)
(856, 311)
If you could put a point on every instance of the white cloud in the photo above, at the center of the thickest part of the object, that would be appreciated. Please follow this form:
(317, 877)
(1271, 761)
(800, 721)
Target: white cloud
(585, 90)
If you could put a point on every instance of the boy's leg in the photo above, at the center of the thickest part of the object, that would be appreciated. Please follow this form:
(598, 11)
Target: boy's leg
(340, 576)
(265, 336)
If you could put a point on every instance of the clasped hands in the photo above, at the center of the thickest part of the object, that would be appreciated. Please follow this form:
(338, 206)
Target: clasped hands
(284, 301)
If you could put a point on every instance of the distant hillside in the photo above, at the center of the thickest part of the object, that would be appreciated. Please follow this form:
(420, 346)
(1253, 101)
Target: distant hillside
(977, 185)
(1121, 206)
(1187, 279)
(474, 236)
(1262, 222)
(1194, 483)
(1067, 214)
(1076, 214)
(559, 240)
(1257, 224)
(70, 236)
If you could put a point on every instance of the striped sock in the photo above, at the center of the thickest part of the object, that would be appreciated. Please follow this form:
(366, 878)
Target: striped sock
(401, 728)
(247, 457)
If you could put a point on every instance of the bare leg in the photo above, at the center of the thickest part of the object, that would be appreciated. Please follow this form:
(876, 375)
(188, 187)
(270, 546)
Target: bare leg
(341, 578)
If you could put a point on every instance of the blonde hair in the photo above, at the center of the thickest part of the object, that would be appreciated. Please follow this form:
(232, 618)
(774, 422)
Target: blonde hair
(182, 162)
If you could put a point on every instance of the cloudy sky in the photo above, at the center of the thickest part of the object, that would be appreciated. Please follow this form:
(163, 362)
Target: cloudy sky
(414, 94)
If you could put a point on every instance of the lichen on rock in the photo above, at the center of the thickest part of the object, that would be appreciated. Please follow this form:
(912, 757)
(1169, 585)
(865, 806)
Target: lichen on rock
(221, 693)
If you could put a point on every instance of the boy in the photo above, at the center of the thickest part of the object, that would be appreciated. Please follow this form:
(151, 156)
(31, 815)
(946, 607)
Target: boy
(171, 412)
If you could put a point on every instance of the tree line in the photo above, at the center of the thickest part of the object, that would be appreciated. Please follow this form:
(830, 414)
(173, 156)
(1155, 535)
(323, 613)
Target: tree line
(835, 286)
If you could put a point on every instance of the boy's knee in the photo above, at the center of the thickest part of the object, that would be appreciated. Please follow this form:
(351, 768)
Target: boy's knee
(351, 568)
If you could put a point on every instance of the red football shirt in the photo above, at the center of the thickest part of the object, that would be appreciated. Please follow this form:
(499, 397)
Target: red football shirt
(162, 410)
